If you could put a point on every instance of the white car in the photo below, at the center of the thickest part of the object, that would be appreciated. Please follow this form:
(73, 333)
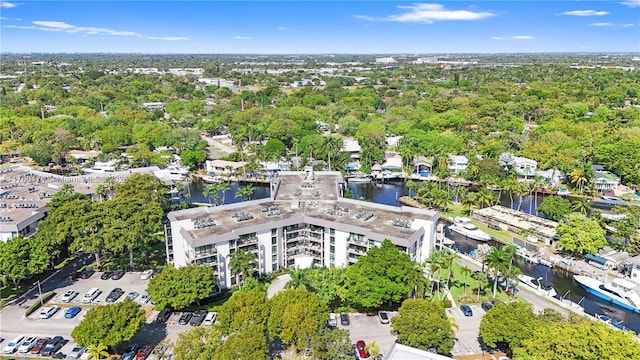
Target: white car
(146, 275)
(144, 299)
(49, 311)
(69, 295)
(76, 352)
(12, 346)
(27, 343)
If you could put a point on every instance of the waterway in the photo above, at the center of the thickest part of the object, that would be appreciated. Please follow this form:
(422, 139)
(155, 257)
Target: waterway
(388, 194)
(195, 189)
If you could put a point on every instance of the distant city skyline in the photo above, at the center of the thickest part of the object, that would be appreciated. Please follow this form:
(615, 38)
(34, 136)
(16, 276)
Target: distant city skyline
(320, 27)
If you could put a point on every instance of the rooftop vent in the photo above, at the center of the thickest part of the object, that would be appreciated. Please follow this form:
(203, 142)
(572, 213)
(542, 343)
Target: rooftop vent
(203, 222)
(404, 223)
(272, 210)
(364, 215)
(5, 219)
(242, 216)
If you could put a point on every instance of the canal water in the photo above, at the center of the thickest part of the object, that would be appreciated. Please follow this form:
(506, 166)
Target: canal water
(388, 194)
(195, 189)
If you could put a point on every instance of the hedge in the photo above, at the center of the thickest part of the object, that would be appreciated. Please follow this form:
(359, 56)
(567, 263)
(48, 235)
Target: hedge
(46, 297)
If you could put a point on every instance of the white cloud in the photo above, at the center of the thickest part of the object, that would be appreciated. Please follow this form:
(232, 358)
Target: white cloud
(284, 28)
(169, 38)
(522, 37)
(627, 25)
(59, 26)
(9, 19)
(497, 38)
(239, 37)
(7, 5)
(584, 13)
(428, 14)
(631, 3)
(602, 24)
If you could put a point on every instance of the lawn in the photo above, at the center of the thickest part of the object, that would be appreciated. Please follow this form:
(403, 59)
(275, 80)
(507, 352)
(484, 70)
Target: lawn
(469, 294)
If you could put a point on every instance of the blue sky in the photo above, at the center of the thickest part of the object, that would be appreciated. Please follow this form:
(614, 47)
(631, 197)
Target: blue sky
(316, 27)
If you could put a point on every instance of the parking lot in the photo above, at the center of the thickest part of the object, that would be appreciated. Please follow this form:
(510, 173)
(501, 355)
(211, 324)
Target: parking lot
(368, 328)
(14, 322)
(467, 335)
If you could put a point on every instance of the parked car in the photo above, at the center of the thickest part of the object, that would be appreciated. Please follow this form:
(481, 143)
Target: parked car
(37, 348)
(69, 295)
(144, 299)
(12, 345)
(91, 295)
(114, 295)
(210, 319)
(106, 275)
(362, 352)
(52, 346)
(344, 319)
(131, 352)
(72, 312)
(384, 317)
(466, 310)
(144, 351)
(486, 306)
(49, 311)
(132, 295)
(184, 318)
(76, 352)
(117, 275)
(164, 315)
(85, 274)
(147, 274)
(198, 317)
(27, 343)
(333, 320)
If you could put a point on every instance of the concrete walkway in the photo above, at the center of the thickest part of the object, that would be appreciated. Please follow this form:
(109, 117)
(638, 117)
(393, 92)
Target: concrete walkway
(278, 285)
(218, 145)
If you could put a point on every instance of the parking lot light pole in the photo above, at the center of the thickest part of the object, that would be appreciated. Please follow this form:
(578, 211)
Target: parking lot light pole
(39, 292)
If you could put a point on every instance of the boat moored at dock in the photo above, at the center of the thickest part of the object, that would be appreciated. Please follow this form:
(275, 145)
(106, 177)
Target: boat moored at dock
(619, 292)
(465, 227)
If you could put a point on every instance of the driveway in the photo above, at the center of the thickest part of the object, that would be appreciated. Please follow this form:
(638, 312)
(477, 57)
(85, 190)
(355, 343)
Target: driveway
(278, 285)
(468, 333)
(368, 328)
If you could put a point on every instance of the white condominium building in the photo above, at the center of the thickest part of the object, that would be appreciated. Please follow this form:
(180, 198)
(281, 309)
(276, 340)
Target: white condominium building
(305, 223)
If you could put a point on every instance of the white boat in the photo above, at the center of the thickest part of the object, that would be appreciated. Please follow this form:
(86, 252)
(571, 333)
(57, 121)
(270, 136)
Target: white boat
(177, 172)
(464, 227)
(212, 179)
(544, 262)
(612, 322)
(541, 286)
(360, 178)
(575, 306)
(619, 292)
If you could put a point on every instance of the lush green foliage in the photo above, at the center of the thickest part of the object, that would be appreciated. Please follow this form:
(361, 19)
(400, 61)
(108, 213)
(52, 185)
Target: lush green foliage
(555, 207)
(181, 287)
(508, 324)
(581, 235)
(296, 316)
(423, 324)
(109, 324)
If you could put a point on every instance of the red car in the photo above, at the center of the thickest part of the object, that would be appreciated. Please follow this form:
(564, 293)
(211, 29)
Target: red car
(360, 346)
(144, 352)
(39, 346)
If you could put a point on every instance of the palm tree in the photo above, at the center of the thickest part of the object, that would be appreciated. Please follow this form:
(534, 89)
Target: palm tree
(466, 271)
(223, 188)
(497, 260)
(332, 144)
(468, 199)
(211, 192)
(97, 351)
(510, 185)
(435, 266)
(373, 349)
(521, 190)
(299, 278)
(484, 197)
(245, 191)
(412, 186)
(242, 263)
(480, 278)
(448, 258)
(582, 205)
(579, 177)
(416, 282)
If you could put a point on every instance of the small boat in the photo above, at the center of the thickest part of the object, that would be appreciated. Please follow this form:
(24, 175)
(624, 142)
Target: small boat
(464, 227)
(360, 178)
(531, 258)
(611, 198)
(619, 292)
(212, 179)
(541, 286)
(611, 322)
(544, 262)
(573, 305)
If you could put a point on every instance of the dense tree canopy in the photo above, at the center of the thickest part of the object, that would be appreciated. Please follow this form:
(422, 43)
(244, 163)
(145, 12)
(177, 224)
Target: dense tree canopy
(581, 235)
(508, 324)
(423, 324)
(109, 324)
(181, 287)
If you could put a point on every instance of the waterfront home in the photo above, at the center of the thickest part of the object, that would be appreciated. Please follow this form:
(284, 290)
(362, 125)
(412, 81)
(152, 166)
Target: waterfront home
(218, 167)
(552, 177)
(422, 166)
(521, 165)
(353, 148)
(604, 180)
(457, 164)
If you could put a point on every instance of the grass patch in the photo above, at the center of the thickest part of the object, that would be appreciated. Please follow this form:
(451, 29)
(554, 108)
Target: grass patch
(46, 297)
(475, 292)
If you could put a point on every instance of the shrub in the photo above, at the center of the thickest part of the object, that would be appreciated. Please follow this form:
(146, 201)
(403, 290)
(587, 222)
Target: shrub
(46, 297)
(446, 303)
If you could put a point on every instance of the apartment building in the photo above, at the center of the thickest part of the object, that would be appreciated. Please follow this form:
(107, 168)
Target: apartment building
(305, 223)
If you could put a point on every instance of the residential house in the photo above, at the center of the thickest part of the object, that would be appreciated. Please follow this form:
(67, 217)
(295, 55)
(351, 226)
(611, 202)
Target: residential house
(218, 167)
(152, 106)
(604, 180)
(457, 164)
(422, 166)
(521, 165)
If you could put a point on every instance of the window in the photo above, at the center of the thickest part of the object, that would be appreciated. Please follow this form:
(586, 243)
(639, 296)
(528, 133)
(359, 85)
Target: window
(274, 249)
(274, 258)
(332, 232)
(274, 232)
(274, 240)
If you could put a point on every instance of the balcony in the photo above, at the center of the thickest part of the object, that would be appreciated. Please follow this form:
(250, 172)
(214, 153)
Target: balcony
(357, 250)
(246, 242)
(355, 240)
(192, 256)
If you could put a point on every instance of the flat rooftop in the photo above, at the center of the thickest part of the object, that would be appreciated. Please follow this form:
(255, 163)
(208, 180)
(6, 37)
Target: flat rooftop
(250, 216)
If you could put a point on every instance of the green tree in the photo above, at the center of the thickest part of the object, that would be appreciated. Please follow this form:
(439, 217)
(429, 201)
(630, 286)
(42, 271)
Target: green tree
(198, 343)
(299, 278)
(193, 158)
(555, 207)
(332, 344)
(181, 287)
(581, 205)
(97, 351)
(247, 344)
(244, 310)
(246, 191)
(377, 277)
(579, 234)
(296, 317)
(497, 260)
(147, 188)
(584, 340)
(510, 324)
(18, 260)
(109, 324)
(273, 149)
(242, 264)
(423, 324)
